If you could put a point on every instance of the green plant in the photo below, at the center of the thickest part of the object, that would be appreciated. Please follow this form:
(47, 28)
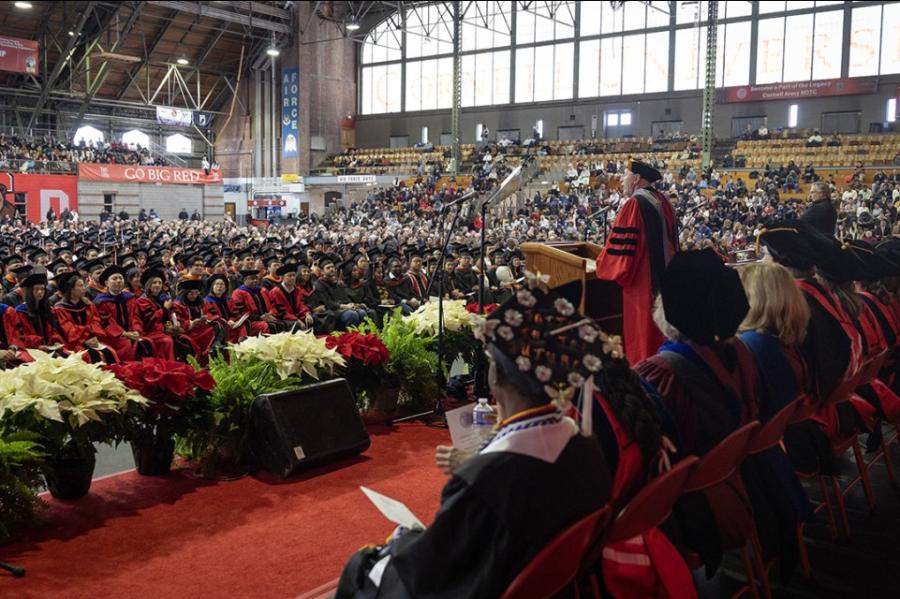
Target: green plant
(20, 457)
(226, 408)
(413, 363)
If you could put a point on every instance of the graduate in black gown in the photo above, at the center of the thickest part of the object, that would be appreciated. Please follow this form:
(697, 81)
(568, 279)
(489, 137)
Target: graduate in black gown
(538, 474)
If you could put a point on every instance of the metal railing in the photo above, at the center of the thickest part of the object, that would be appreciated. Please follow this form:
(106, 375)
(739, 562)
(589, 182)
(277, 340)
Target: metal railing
(55, 167)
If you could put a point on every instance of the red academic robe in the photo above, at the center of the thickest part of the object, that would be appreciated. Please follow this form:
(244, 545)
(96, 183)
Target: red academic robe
(244, 301)
(287, 306)
(25, 333)
(642, 242)
(220, 312)
(116, 318)
(201, 336)
(149, 320)
(79, 323)
(8, 320)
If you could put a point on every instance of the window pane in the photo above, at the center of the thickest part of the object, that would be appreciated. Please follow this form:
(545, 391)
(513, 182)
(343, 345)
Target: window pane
(178, 144)
(485, 26)
(625, 119)
(765, 7)
(798, 46)
(829, 2)
(543, 74)
(611, 20)
(524, 26)
(687, 62)
(691, 12)
(444, 87)
(564, 70)
(827, 44)
(91, 136)
(797, 4)
(136, 138)
(635, 15)
(865, 36)
(590, 17)
(633, 64)
(611, 66)
(769, 50)
(612, 119)
(382, 44)
(469, 81)
(483, 84)
(365, 94)
(736, 60)
(657, 76)
(890, 48)
(657, 14)
(730, 10)
(589, 66)
(501, 77)
(525, 75)
(393, 92)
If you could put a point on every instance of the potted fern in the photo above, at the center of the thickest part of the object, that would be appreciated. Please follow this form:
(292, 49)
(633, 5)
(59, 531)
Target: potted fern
(20, 476)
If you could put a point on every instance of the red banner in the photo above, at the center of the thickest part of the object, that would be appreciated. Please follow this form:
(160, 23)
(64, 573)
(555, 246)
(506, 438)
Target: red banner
(39, 193)
(796, 90)
(18, 55)
(127, 173)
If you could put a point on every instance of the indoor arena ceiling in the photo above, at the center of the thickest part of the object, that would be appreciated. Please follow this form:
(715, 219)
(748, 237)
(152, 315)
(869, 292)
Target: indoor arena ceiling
(121, 54)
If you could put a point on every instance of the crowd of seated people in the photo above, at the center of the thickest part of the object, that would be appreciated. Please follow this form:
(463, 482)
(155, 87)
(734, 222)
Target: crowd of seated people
(47, 154)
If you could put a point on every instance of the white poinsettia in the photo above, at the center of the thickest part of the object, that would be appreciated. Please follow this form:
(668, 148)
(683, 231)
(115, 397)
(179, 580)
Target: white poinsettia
(456, 317)
(297, 353)
(64, 389)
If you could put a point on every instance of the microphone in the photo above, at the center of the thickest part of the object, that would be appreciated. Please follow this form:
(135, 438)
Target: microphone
(459, 200)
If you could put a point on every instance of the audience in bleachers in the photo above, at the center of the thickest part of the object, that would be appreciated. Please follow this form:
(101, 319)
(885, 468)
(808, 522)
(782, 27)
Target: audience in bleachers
(50, 155)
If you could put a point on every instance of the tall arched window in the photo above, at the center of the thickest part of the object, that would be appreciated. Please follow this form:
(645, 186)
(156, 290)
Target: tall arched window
(89, 135)
(136, 139)
(178, 144)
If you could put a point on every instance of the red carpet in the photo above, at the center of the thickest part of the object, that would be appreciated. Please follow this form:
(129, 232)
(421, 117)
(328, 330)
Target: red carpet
(177, 537)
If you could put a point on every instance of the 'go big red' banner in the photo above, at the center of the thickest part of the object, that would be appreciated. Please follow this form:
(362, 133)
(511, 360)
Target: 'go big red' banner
(128, 173)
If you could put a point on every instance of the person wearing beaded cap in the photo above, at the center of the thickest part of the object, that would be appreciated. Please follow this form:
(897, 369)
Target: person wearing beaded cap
(526, 484)
(643, 240)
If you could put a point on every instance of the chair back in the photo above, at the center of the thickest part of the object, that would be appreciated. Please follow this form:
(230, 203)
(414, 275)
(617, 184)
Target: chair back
(769, 434)
(651, 505)
(556, 565)
(720, 461)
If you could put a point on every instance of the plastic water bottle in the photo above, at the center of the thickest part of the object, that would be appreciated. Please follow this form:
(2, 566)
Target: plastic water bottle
(483, 419)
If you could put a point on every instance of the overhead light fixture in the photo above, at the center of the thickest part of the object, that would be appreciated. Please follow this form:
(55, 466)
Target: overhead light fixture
(71, 34)
(352, 24)
(273, 51)
(182, 61)
(22, 5)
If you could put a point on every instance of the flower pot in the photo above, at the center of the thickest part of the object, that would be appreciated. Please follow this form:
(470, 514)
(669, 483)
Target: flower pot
(153, 455)
(384, 406)
(70, 477)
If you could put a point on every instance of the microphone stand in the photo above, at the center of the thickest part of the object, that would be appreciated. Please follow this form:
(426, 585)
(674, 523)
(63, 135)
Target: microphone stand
(438, 409)
(481, 387)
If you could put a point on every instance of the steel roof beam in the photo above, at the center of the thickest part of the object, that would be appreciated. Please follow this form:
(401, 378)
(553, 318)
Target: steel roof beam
(195, 8)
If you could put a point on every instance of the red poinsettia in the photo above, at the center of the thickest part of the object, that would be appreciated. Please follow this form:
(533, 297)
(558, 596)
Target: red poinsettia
(163, 381)
(368, 349)
(473, 308)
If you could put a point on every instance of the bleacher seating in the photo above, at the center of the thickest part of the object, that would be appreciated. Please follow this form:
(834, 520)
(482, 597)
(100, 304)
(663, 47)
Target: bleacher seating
(870, 149)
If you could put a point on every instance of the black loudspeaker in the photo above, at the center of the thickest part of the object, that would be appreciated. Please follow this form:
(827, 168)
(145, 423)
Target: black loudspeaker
(306, 426)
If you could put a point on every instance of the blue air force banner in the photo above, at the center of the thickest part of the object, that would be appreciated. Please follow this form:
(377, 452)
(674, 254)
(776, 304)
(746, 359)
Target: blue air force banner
(290, 112)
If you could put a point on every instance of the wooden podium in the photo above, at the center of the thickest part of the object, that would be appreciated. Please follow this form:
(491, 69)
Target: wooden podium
(576, 261)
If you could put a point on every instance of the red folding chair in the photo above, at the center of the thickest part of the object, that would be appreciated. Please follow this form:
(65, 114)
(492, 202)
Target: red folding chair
(647, 509)
(719, 463)
(766, 437)
(556, 565)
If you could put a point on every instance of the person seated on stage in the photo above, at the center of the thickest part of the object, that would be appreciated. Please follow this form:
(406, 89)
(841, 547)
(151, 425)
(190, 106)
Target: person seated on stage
(248, 299)
(773, 330)
(152, 317)
(201, 334)
(333, 295)
(286, 300)
(709, 383)
(33, 325)
(79, 320)
(538, 462)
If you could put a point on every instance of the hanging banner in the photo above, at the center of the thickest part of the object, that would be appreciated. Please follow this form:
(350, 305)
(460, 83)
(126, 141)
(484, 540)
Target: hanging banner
(795, 90)
(202, 120)
(175, 117)
(18, 55)
(42, 192)
(290, 112)
(147, 174)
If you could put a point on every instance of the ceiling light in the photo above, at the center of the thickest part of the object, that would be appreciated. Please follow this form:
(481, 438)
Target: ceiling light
(273, 51)
(352, 24)
(182, 61)
(71, 34)
(23, 5)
